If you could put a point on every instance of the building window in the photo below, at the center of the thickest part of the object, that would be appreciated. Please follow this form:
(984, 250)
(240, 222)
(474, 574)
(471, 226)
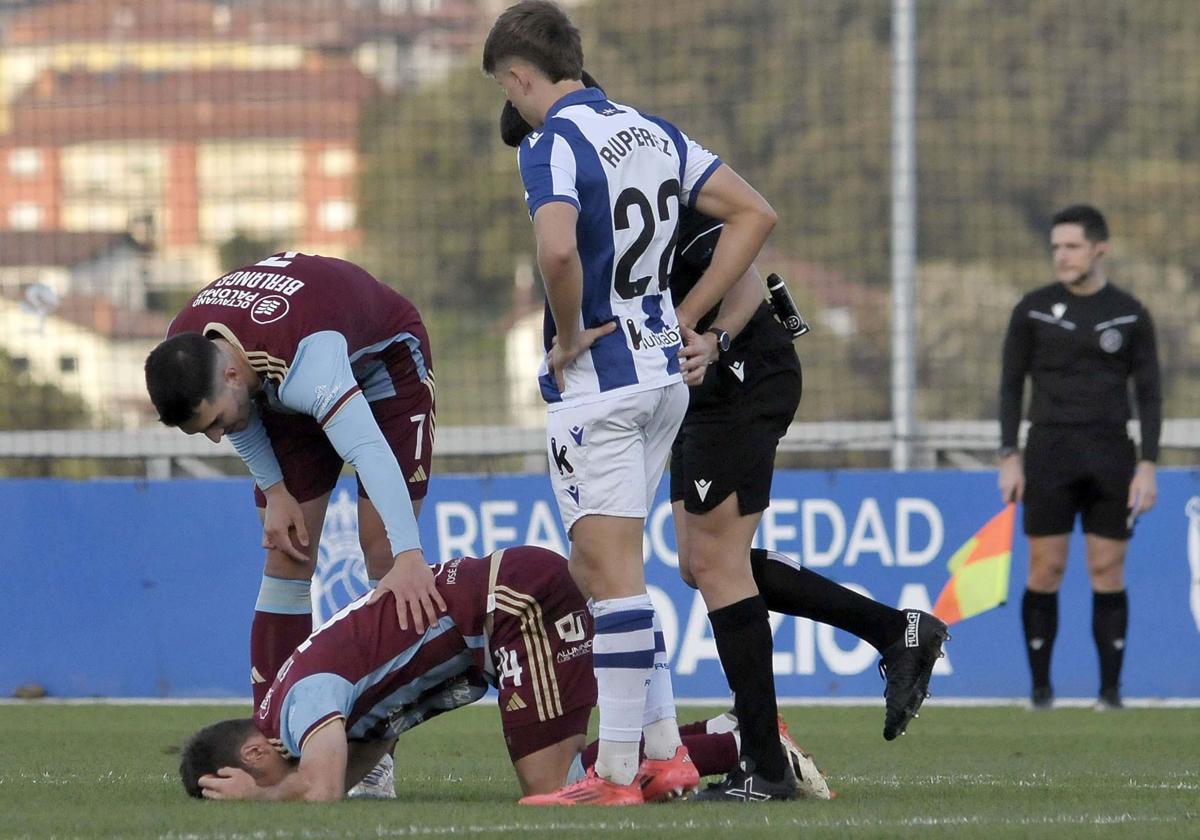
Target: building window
(336, 215)
(67, 364)
(20, 364)
(25, 216)
(25, 162)
(337, 162)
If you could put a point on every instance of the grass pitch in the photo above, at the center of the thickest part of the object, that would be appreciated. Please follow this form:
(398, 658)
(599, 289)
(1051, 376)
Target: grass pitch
(110, 771)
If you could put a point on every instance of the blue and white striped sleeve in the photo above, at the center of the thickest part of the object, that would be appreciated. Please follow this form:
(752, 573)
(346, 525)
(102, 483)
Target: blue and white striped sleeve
(548, 170)
(699, 165)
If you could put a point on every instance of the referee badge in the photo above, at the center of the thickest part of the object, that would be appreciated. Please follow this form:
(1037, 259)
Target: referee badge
(1111, 340)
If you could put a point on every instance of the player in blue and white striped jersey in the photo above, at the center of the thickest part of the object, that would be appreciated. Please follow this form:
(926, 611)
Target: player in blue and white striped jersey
(604, 185)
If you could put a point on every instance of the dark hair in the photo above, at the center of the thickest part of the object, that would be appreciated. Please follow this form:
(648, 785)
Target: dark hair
(210, 749)
(1087, 217)
(539, 32)
(180, 374)
(513, 127)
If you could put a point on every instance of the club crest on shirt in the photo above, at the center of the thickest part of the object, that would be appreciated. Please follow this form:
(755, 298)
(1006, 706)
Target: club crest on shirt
(1111, 340)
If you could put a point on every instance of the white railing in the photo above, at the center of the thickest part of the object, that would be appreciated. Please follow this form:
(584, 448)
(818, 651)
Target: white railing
(965, 443)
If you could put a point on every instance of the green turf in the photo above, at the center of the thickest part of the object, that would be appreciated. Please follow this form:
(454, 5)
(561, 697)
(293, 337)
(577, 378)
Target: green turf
(104, 771)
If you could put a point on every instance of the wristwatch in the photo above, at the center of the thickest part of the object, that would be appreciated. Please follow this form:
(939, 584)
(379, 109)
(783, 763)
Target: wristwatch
(723, 340)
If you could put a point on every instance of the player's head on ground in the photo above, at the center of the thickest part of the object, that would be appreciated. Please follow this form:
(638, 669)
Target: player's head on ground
(514, 128)
(231, 743)
(534, 53)
(199, 386)
(1078, 241)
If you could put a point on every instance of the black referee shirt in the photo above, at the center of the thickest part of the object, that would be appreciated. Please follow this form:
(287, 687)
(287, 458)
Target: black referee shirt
(695, 243)
(1080, 351)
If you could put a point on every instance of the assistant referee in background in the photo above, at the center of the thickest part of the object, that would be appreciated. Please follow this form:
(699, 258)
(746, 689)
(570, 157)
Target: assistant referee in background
(1080, 340)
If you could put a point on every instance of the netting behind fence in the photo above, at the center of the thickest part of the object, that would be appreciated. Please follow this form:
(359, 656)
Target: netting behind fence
(146, 146)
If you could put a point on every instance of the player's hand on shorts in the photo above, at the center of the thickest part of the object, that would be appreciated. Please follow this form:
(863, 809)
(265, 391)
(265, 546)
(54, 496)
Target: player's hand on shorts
(559, 356)
(698, 352)
(282, 515)
(1012, 479)
(228, 783)
(411, 581)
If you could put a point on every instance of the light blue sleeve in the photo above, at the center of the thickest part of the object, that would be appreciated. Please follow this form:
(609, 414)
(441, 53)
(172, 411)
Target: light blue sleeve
(319, 379)
(357, 438)
(320, 383)
(254, 446)
(309, 704)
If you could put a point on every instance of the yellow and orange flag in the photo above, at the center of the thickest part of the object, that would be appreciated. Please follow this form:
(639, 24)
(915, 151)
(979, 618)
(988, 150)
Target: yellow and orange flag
(979, 570)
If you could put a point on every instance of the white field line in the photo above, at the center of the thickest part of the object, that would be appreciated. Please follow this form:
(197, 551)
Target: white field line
(587, 827)
(722, 702)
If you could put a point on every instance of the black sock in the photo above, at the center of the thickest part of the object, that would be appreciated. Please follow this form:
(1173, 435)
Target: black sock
(1039, 615)
(743, 635)
(789, 588)
(1110, 617)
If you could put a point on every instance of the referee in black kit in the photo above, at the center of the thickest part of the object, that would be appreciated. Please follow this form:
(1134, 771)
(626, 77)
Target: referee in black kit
(1080, 340)
(722, 463)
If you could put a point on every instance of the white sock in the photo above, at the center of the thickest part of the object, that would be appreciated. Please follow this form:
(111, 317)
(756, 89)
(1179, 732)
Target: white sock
(658, 721)
(623, 659)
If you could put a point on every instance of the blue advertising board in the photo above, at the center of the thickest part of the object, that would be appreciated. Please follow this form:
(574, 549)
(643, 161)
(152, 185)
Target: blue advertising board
(146, 589)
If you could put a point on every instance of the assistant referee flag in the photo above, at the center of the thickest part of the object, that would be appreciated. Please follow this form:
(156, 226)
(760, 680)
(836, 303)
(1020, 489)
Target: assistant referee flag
(979, 570)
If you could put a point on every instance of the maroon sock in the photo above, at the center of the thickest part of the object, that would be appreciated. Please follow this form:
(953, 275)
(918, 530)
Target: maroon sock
(712, 754)
(273, 637)
(697, 728)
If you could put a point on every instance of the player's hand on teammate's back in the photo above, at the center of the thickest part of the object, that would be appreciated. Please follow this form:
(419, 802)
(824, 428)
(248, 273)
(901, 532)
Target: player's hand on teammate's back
(696, 355)
(411, 581)
(1012, 479)
(559, 356)
(282, 515)
(229, 783)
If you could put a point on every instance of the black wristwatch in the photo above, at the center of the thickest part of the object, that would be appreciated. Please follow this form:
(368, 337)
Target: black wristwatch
(723, 339)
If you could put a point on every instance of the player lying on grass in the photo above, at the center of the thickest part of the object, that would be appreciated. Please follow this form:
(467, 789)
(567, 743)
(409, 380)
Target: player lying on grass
(514, 620)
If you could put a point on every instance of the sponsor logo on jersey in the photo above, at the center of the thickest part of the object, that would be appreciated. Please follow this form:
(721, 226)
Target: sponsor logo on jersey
(651, 340)
(515, 704)
(577, 434)
(1111, 340)
(270, 309)
(739, 370)
(534, 137)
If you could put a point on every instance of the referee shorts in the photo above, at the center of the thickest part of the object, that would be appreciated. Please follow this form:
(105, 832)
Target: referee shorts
(732, 428)
(1083, 470)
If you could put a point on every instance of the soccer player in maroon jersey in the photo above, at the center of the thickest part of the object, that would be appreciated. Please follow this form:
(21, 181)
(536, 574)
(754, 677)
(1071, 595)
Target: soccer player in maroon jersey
(514, 620)
(306, 363)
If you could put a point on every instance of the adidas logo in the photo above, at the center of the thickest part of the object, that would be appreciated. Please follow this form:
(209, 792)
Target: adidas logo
(418, 475)
(702, 487)
(739, 370)
(514, 704)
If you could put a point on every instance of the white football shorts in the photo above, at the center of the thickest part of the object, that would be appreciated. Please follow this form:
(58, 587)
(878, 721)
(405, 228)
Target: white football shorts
(607, 456)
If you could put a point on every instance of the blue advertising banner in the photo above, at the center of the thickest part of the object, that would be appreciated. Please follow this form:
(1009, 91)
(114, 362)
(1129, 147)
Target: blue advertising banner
(146, 589)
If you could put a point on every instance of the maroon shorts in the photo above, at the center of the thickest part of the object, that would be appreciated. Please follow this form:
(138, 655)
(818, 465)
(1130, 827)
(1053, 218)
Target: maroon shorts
(311, 465)
(541, 647)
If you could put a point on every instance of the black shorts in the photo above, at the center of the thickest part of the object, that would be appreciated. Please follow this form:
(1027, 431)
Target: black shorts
(732, 428)
(1078, 469)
